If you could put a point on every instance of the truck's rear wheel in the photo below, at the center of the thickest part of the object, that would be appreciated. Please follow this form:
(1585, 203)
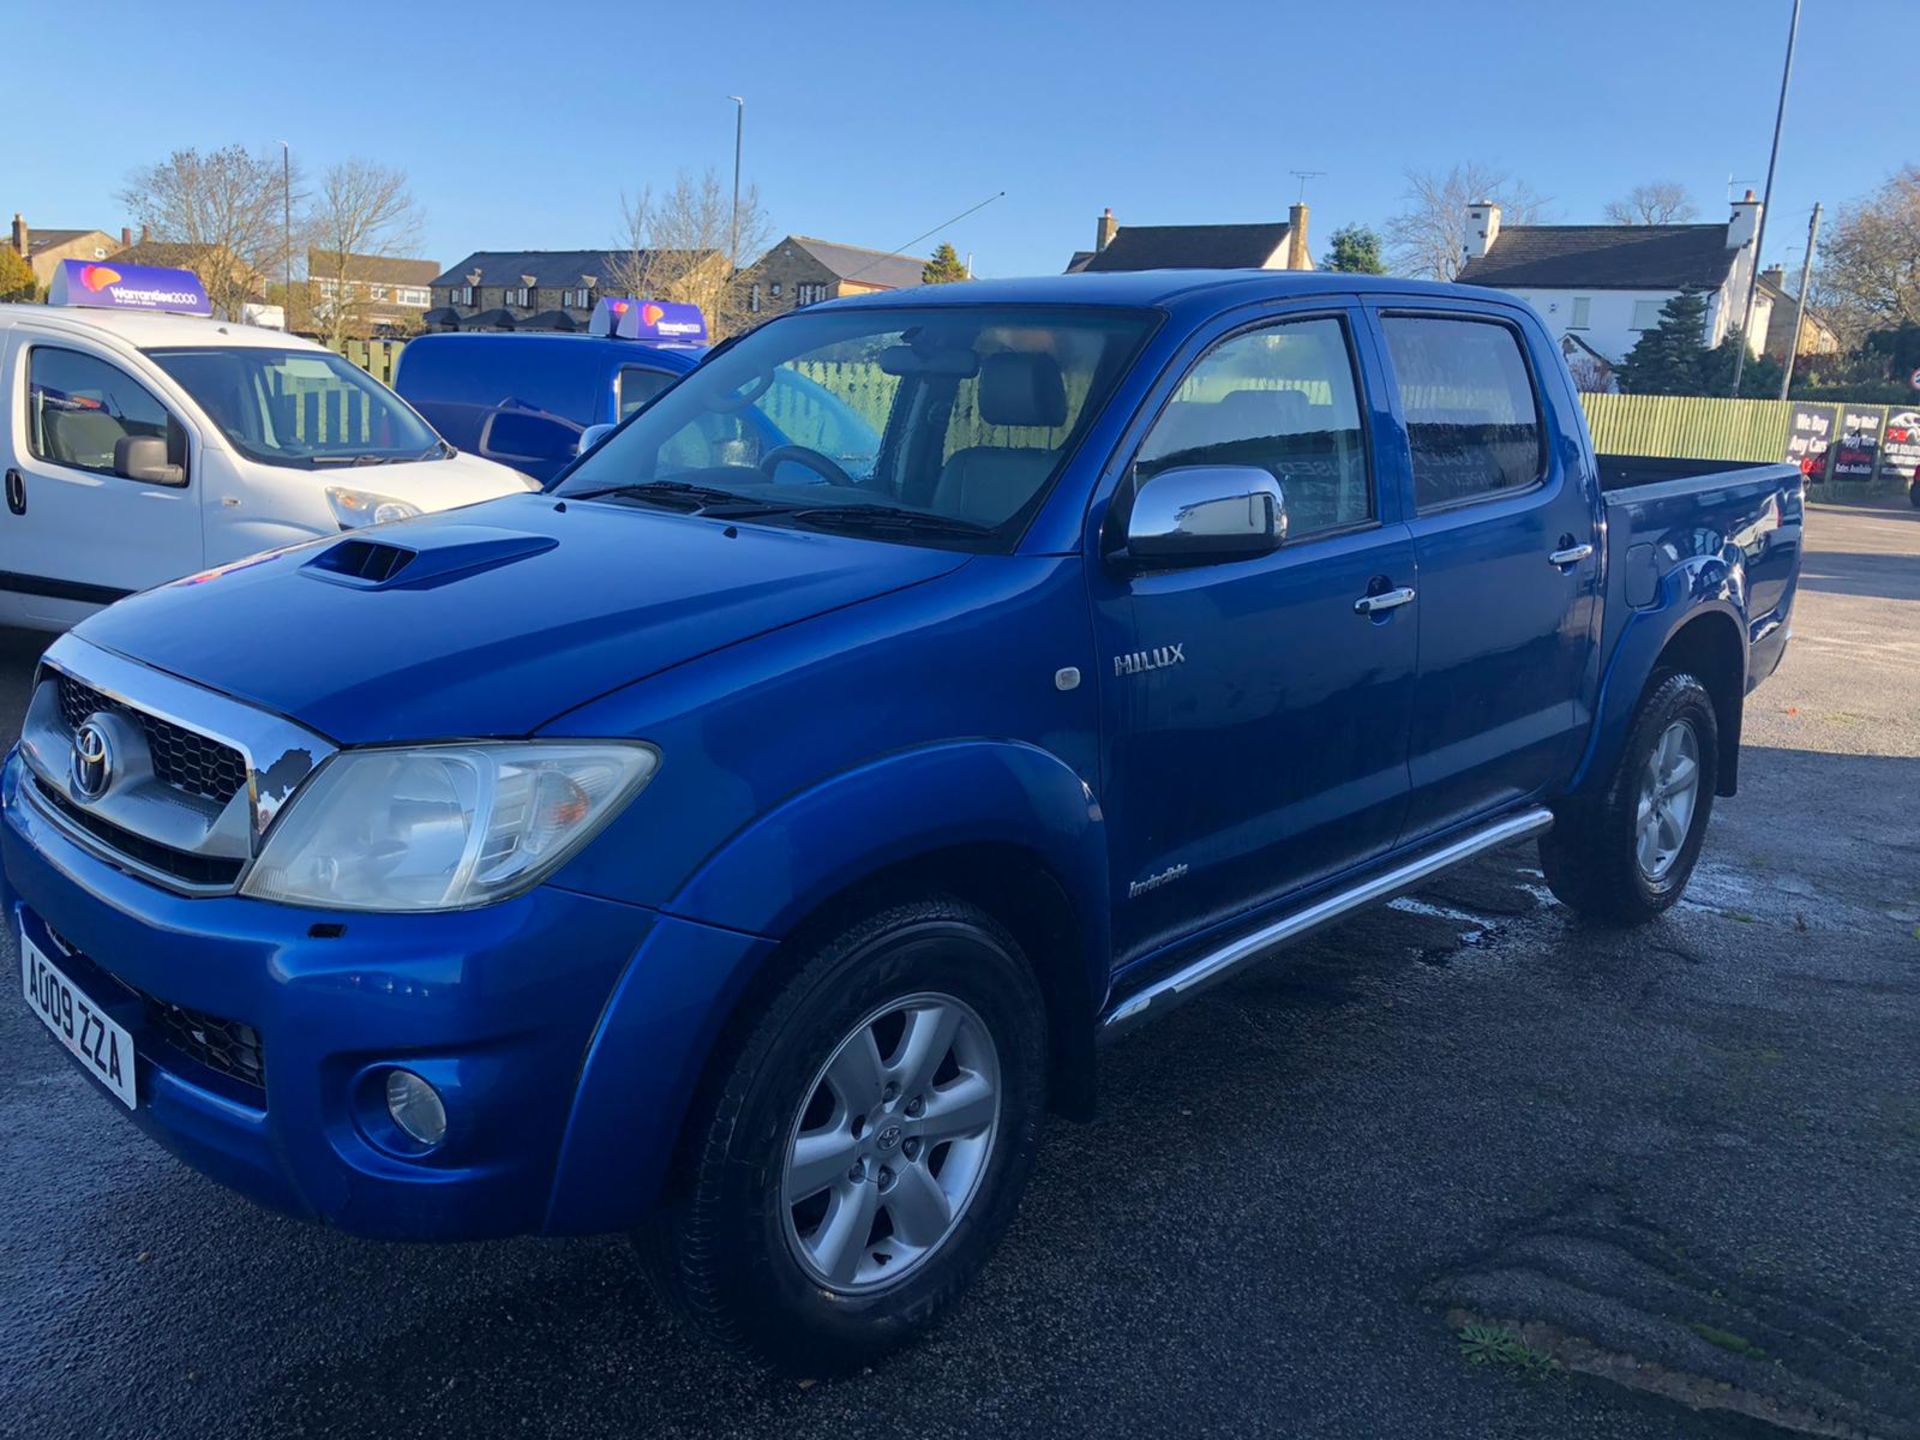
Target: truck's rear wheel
(867, 1145)
(1627, 856)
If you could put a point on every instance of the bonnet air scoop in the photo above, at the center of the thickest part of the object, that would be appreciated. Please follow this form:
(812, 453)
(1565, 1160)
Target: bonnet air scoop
(423, 561)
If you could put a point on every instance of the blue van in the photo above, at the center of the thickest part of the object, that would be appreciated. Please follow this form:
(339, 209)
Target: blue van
(526, 400)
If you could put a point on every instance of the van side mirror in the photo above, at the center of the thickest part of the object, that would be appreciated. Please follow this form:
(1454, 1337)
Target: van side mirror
(1197, 514)
(592, 436)
(144, 458)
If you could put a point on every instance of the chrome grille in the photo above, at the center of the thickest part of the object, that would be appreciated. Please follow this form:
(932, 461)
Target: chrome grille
(181, 758)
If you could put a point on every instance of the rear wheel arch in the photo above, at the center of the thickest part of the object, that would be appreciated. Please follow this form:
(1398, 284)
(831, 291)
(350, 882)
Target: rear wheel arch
(1710, 647)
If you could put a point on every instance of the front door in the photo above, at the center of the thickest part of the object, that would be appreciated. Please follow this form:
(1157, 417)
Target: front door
(74, 533)
(1505, 537)
(1256, 723)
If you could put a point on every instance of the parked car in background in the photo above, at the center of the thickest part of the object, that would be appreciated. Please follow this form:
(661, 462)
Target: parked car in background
(535, 401)
(527, 400)
(749, 863)
(142, 444)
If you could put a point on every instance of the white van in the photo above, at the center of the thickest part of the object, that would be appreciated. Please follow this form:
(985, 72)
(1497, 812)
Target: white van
(139, 447)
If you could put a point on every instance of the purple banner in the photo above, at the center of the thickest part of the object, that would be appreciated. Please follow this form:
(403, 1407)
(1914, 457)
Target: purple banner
(99, 285)
(630, 319)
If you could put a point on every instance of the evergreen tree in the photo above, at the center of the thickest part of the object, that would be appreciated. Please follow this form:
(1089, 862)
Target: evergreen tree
(1671, 358)
(1354, 250)
(944, 268)
(1759, 381)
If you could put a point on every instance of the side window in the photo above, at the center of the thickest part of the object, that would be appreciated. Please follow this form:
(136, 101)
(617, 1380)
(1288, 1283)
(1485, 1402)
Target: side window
(79, 406)
(638, 386)
(1282, 398)
(1473, 421)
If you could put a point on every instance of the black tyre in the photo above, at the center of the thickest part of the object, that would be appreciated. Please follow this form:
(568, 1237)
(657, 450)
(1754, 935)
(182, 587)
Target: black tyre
(1627, 856)
(866, 1145)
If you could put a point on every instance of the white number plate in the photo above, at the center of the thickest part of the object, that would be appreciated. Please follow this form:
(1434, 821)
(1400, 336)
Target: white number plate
(102, 1046)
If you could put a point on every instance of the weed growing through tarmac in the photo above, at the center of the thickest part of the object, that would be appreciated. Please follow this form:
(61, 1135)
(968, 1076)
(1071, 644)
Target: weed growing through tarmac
(1497, 1346)
(1728, 1341)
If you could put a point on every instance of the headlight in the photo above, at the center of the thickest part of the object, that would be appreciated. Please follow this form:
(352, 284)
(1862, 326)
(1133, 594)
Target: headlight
(443, 827)
(354, 508)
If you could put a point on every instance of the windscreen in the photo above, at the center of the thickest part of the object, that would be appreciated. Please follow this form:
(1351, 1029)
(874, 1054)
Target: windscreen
(942, 426)
(302, 408)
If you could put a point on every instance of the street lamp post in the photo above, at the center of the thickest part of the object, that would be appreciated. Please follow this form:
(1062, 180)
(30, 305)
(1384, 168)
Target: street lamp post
(739, 130)
(1766, 203)
(286, 201)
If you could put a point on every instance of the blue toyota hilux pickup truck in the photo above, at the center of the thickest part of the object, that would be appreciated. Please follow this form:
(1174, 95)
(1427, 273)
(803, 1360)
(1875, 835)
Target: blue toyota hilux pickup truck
(748, 864)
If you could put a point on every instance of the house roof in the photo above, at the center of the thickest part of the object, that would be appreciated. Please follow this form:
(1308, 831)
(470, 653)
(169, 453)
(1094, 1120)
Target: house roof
(885, 268)
(1190, 247)
(561, 268)
(38, 240)
(380, 269)
(1604, 257)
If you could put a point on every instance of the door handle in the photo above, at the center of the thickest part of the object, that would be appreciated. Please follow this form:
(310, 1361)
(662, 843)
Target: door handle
(1572, 555)
(1386, 600)
(16, 492)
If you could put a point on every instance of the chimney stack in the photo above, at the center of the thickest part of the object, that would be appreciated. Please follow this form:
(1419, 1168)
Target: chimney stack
(1483, 228)
(1298, 256)
(126, 236)
(1776, 276)
(1744, 224)
(1104, 230)
(21, 237)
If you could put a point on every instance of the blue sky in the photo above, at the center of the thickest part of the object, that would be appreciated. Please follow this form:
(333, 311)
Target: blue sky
(871, 123)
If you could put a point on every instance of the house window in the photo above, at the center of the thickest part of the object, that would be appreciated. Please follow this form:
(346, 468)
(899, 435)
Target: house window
(463, 295)
(1582, 312)
(753, 300)
(516, 296)
(776, 289)
(1646, 314)
(809, 292)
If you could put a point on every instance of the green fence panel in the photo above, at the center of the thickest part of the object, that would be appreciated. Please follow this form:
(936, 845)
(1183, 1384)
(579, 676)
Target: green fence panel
(1689, 427)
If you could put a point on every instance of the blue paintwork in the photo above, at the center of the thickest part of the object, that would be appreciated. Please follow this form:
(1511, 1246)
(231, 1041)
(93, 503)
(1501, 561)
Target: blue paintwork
(555, 386)
(828, 707)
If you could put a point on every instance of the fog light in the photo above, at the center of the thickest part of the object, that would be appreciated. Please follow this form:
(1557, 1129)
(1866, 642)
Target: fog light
(415, 1107)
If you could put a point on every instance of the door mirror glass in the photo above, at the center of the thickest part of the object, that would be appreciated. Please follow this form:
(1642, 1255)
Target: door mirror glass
(1200, 513)
(144, 458)
(592, 436)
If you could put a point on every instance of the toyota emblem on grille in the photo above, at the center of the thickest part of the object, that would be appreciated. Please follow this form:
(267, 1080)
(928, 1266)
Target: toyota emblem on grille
(92, 760)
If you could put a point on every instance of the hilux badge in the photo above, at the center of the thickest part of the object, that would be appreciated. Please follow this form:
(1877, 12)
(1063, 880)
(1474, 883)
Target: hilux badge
(92, 760)
(1158, 658)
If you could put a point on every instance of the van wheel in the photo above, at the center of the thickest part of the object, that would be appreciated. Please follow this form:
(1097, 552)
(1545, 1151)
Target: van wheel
(867, 1144)
(1623, 859)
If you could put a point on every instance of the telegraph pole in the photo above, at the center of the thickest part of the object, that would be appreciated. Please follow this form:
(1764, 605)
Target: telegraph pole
(286, 200)
(1766, 201)
(1800, 308)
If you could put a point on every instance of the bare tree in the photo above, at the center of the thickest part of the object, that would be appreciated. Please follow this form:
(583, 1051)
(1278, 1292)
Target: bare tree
(1870, 263)
(1429, 237)
(1658, 202)
(362, 213)
(225, 209)
(678, 248)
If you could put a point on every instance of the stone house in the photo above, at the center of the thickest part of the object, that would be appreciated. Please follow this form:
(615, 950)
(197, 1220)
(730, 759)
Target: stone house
(802, 270)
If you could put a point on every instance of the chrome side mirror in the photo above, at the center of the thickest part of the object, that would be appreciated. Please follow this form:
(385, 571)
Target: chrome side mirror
(1202, 513)
(592, 436)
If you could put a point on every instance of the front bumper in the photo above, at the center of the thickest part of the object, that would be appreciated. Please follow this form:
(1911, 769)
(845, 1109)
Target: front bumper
(498, 1007)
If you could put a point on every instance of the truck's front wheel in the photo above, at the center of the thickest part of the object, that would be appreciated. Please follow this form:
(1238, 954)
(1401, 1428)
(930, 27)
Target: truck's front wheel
(1623, 858)
(867, 1144)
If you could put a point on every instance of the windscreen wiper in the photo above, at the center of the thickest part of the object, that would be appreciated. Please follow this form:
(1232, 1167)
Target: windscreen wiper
(352, 459)
(691, 497)
(889, 517)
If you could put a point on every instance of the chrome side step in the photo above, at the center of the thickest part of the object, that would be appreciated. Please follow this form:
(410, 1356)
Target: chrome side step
(1163, 994)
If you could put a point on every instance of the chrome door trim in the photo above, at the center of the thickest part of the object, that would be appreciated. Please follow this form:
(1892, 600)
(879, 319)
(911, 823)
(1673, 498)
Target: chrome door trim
(1230, 959)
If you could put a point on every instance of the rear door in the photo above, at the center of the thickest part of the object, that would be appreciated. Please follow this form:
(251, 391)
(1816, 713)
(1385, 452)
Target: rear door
(74, 534)
(1504, 535)
(1255, 720)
